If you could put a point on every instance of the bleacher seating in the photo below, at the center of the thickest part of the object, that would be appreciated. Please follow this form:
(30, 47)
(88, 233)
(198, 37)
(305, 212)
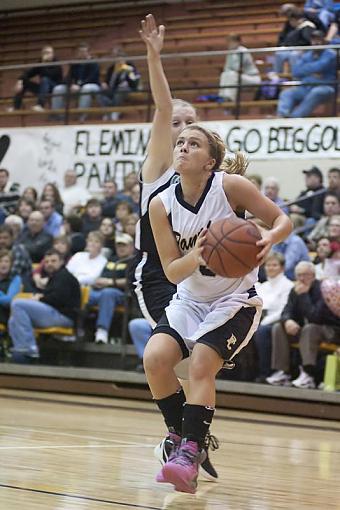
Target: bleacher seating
(192, 27)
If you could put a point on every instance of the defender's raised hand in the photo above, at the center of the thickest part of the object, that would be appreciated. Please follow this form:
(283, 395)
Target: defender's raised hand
(152, 35)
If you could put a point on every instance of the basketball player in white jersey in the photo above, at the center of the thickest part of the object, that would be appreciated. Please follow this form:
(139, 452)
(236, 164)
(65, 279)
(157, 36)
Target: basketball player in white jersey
(210, 318)
(152, 288)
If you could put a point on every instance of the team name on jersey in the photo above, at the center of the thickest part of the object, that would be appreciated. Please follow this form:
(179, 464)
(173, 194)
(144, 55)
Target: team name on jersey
(186, 244)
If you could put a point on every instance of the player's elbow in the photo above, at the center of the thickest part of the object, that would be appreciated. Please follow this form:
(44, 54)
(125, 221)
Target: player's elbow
(172, 276)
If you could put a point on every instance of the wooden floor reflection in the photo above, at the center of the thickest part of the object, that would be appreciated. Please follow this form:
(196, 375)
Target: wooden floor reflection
(61, 452)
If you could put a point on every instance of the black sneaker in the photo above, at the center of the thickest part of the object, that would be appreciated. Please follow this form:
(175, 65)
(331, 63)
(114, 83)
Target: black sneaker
(207, 469)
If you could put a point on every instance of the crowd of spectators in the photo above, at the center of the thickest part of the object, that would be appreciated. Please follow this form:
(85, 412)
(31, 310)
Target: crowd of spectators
(69, 235)
(82, 81)
(312, 72)
(60, 238)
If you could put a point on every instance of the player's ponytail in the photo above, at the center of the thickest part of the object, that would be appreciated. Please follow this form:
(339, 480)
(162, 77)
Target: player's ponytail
(235, 163)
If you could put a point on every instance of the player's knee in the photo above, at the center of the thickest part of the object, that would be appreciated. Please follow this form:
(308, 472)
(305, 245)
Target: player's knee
(200, 369)
(155, 362)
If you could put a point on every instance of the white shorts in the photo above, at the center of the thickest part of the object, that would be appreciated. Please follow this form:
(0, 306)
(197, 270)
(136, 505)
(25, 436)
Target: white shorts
(226, 325)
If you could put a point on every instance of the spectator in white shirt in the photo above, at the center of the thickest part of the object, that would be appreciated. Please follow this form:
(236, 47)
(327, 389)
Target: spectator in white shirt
(73, 195)
(87, 265)
(229, 78)
(274, 293)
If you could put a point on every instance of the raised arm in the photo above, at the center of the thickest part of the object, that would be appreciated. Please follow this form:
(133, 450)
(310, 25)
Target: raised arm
(159, 156)
(176, 266)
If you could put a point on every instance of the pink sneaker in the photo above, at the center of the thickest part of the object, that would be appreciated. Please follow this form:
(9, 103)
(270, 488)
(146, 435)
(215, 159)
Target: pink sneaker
(165, 451)
(182, 469)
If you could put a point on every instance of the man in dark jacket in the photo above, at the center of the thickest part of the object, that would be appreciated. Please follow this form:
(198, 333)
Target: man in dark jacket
(82, 79)
(121, 78)
(34, 238)
(305, 318)
(299, 35)
(57, 305)
(45, 79)
(311, 207)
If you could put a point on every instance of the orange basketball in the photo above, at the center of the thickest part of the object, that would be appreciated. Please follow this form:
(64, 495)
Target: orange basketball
(230, 249)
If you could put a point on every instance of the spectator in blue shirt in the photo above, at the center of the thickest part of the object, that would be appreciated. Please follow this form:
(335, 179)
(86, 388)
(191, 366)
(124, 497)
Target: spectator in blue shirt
(317, 71)
(9, 285)
(53, 220)
(323, 9)
(83, 79)
(294, 250)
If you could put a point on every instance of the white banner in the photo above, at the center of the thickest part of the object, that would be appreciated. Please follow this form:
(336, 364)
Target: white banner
(35, 156)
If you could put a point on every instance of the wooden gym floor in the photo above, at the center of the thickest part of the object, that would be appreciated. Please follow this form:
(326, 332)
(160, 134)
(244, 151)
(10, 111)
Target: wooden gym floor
(65, 452)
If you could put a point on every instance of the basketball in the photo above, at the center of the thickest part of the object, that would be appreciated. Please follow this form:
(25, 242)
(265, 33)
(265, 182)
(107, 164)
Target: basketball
(230, 249)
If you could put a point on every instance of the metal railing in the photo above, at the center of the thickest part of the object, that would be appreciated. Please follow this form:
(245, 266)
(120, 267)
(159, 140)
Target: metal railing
(263, 52)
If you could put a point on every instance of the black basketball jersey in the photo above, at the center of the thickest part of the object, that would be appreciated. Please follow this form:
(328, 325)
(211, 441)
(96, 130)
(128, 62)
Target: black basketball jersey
(151, 286)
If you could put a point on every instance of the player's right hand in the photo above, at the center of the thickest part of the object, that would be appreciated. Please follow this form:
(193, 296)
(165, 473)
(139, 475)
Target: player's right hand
(152, 35)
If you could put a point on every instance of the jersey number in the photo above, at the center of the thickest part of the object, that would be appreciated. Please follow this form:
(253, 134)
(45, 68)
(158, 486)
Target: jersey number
(205, 271)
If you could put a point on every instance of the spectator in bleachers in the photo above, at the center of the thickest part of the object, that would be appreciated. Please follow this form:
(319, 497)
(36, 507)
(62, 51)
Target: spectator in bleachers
(73, 195)
(10, 284)
(271, 188)
(107, 230)
(274, 293)
(305, 318)
(45, 80)
(333, 34)
(285, 10)
(72, 228)
(24, 208)
(82, 79)
(135, 196)
(123, 210)
(111, 198)
(15, 223)
(129, 224)
(229, 78)
(334, 229)
(92, 216)
(53, 220)
(256, 180)
(294, 250)
(51, 192)
(108, 290)
(331, 206)
(30, 194)
(21, 263)
(334, 180)
(130, 180)
(9, 193)
(311, 208)
(53, 306)
(121, 78)
(299, 35)
(323, 9)
(140, 331)
(87, 265)
(316, 69)
(34, 237)
(323, 251)
(39, 278)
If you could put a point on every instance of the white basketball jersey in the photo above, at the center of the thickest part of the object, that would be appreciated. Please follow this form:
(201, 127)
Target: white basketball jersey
(187, 221)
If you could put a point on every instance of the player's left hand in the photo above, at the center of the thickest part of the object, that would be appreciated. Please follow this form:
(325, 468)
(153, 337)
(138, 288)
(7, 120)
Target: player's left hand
(265, 243)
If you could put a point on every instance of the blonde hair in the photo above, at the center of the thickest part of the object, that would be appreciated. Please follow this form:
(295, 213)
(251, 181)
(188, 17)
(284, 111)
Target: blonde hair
(95, 236)
(233, 163)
